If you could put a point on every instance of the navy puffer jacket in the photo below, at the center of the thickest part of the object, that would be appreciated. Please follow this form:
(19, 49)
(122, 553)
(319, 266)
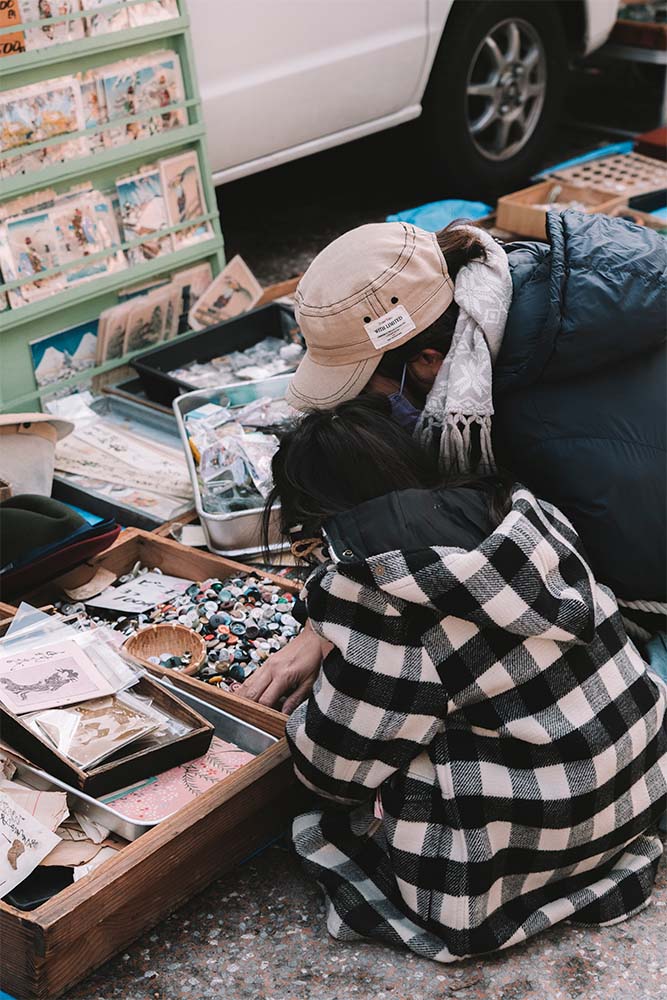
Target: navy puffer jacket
(580, 390)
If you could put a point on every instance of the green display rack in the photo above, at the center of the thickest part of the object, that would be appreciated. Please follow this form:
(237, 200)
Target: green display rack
(83, 302)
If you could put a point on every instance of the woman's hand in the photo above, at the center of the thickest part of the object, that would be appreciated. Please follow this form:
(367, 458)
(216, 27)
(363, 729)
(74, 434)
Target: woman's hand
(291, 671)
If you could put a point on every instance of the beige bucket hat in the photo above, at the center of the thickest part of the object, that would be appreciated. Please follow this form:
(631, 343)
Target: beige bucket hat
(25, 423)
(371, 290)
(27, 450)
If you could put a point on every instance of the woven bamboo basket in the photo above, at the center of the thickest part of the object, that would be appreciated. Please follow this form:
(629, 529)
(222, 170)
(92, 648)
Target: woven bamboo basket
(166, 638)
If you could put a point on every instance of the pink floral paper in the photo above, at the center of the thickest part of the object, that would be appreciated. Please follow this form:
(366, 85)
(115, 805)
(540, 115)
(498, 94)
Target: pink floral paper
(173, 789)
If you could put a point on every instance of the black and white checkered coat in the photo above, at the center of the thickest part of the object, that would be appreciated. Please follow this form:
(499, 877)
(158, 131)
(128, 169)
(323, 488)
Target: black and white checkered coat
(494, 702)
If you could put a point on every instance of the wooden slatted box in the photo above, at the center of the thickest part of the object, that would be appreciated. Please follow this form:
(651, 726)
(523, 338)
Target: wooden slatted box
(48, 950)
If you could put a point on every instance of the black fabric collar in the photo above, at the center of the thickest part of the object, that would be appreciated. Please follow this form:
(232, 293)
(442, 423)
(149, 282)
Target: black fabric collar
(407, 520)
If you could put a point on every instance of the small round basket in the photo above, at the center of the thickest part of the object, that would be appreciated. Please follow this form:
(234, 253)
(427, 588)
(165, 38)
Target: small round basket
(154, 640)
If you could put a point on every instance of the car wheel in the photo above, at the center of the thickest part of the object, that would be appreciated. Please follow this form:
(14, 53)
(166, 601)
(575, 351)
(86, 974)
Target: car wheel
(494, 95)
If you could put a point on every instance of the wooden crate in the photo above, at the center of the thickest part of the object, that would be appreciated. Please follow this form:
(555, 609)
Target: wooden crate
(519, 212)
(152, 550)
(624, 175)
(46, 951)
(640, 218)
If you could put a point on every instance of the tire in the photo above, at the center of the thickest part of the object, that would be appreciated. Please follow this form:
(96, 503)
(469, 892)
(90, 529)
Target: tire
(529, 89)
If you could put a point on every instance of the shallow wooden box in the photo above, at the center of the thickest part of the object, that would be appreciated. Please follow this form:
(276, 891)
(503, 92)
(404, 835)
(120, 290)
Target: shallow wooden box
(46, 951)
(519, 213)
(108, 776)
(155, 551)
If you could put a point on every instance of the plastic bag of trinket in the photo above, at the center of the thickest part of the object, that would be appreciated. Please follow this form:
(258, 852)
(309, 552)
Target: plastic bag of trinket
(266, 412)
(221, 498)
(258, 450)
(33, 631)
(224, 462)
(94, 730)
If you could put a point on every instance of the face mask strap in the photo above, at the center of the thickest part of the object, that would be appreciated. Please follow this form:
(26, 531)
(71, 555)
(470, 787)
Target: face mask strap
(405, 371)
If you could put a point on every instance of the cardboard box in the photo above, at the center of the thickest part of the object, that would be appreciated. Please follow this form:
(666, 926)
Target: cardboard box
(520, 213)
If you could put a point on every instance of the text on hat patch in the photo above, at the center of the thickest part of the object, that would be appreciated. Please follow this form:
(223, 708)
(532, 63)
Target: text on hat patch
(390, 327)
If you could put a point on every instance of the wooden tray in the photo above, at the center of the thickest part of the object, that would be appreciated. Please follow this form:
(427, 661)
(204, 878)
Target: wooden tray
(46, 951)
(152, 550)
(109, 776)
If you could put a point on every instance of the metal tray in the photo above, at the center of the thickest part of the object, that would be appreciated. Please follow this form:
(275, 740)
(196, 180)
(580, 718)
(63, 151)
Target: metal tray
(236, 534)
(227, 727)
(147, 422)
(236, 334)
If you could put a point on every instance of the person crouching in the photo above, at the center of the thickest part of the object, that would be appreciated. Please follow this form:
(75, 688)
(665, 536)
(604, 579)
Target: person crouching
(488, 749)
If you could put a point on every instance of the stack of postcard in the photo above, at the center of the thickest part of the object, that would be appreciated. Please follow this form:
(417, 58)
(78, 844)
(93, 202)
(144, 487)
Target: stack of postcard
(143, 320)
(161, 196)
(39, 113)
(99, 19)
(44, 36)
(47, 111)
(44, 231)
(144, 317)
(67, 700)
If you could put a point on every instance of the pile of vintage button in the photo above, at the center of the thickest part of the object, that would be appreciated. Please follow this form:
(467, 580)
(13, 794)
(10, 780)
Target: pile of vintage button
(242, 620)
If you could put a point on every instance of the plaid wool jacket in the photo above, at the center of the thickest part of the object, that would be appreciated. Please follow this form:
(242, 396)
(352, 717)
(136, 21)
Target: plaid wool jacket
(492, 702)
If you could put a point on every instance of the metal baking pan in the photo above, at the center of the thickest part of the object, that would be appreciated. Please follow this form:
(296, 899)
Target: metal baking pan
(227, 727)
(239, 533)
(148, 423)
(237, 334)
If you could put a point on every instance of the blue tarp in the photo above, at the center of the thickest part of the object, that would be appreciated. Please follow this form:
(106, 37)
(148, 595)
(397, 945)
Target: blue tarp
(438, 214)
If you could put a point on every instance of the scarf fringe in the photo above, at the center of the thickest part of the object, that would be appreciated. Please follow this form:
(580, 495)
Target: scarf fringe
(461, 397)
(455, 443)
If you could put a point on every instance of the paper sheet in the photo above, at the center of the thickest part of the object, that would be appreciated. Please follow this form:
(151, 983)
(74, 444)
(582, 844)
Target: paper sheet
(48, 808)
(23, 844)
(99, 859)
(141, 594)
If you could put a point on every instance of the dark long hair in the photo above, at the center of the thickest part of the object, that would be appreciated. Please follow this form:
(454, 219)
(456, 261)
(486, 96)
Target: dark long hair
(459, 246)
(334, 460)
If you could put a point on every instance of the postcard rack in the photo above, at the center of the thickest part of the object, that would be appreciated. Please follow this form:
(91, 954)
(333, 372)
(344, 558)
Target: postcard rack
(83, 301)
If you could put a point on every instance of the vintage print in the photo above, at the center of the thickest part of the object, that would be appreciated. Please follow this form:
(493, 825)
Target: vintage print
(159, 797)
(51, 34)
(132, 88)
(104, 24)
(102, 726)
(184, 195)
(145, 323)
(234, 291)
(39, 113)
(152, 11)
(78, 236)
(94, 110)
(31, 241)
(61, 355)
(111, 332)
(49, 677)
(143, 213)
(24, 843)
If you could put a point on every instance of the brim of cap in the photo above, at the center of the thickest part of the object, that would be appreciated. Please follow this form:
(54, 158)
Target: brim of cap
(62, 427)
(321, 387)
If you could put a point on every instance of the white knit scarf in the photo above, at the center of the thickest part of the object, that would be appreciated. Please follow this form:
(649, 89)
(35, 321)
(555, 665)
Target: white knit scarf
(461, 397)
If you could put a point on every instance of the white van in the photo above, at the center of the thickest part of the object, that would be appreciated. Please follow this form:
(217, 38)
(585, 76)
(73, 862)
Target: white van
(281, 79)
